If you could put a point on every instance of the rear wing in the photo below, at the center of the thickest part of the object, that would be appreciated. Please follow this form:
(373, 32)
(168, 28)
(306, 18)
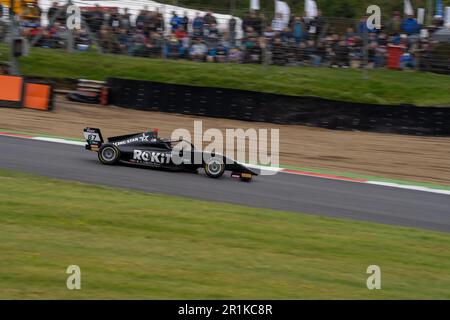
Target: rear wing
(94, 139)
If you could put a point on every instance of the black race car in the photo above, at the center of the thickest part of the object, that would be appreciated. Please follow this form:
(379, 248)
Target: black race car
(146, 149)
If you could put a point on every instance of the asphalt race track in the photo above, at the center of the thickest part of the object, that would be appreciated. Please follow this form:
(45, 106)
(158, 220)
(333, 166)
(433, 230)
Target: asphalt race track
(283, 191)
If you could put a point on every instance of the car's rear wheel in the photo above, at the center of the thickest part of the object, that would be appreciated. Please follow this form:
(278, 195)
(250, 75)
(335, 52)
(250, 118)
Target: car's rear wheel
(109, 154)
(214, 167)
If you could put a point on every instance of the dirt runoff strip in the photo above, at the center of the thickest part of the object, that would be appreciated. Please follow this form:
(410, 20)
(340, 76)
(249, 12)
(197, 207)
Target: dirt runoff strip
(422, 161)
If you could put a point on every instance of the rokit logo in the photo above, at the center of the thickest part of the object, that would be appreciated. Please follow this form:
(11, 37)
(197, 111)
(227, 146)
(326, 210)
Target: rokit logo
(154, 157)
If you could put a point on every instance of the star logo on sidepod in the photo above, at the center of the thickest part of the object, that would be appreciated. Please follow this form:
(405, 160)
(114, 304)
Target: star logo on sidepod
(144, 137)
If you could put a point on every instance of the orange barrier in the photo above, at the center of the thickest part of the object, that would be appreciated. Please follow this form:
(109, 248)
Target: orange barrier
(38, 96)
(11, 91)
(17, 93)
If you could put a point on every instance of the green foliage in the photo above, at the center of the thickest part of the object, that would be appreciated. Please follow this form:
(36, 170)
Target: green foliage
(331, 8)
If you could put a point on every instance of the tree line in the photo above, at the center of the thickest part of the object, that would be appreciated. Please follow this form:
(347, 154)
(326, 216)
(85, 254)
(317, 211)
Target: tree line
(330, 8)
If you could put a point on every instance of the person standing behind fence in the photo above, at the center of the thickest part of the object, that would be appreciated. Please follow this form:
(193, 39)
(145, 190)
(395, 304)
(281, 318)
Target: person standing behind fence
(107, 40)
(51, 13)
(259, 23)
(161, 22)
(395, 24)
(175, 22)
(278, 52)
(407, 60)
(410, 25)
(199, 51)
(255, 21)
(212, 40)
(232, 31)
(279, 24)
(140, 20)
(114, 21)
(125, 20)
(412, 28)
(184, 22)
(297, 29)
(313, 27)
(209, 20)
(98, 19)
(122, 41)
(197, 25)
(320, 24)
(152, 22)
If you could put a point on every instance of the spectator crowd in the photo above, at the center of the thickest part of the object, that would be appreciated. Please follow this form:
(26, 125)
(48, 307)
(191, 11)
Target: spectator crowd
(300, 41)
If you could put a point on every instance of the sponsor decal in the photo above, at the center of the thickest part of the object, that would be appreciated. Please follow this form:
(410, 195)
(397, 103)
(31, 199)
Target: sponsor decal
(121, 143)
(143, 138)
(91, 136)
(151, 157)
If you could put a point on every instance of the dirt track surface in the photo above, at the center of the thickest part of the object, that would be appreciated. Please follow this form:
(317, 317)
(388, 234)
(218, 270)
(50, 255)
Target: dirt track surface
(394, 156)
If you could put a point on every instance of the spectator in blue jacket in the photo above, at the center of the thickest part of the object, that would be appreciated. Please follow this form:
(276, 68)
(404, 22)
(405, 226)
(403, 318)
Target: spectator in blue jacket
(410, 26)
(176, 21)
(197, 25)
(407, 60)
(362, 26)
(298, 30)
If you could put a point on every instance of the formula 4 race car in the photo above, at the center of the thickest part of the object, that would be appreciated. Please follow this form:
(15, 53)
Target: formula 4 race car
(146, 149)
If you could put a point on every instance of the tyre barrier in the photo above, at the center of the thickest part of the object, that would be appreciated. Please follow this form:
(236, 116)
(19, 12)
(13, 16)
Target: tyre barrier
(89, 91)
(18, 92)
(279, 109)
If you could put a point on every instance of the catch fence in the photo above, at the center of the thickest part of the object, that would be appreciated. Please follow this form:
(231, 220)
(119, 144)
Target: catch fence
(165, 31)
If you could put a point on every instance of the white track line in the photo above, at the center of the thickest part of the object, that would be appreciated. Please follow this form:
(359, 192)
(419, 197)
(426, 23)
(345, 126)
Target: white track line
(57, 140)
(409, 187)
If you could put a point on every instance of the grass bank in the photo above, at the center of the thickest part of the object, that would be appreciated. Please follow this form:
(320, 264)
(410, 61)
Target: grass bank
(383, 86)
(136, 245)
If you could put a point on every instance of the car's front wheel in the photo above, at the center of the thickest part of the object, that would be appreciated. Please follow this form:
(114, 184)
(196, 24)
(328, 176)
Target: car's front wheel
(214, 167)
(108, 154)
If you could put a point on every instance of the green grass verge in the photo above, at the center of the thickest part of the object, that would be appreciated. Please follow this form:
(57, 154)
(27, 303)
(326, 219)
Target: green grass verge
(383, 86)
(136, 245)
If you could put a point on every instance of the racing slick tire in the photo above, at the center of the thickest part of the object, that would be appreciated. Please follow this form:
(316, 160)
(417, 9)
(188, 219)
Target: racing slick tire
(109, 154)
(214, 167)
